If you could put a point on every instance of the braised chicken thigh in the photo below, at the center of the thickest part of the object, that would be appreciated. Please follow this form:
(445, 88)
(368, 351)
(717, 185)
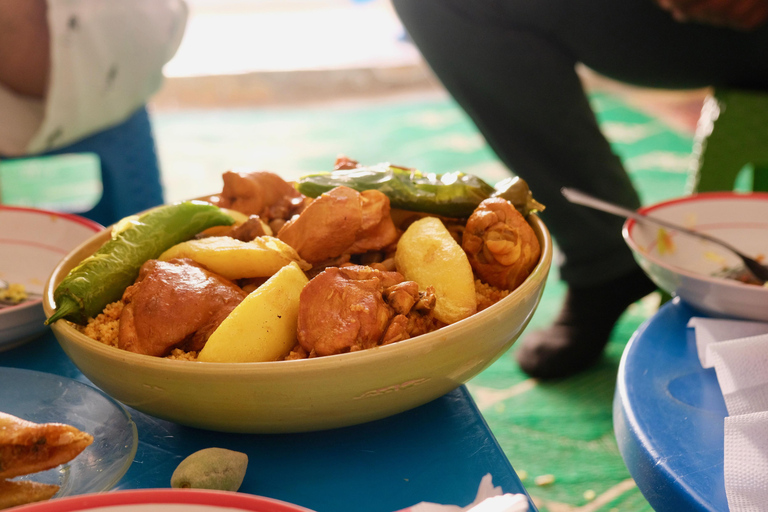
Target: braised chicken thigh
(345, 309)
(500, 244)
(174, 304)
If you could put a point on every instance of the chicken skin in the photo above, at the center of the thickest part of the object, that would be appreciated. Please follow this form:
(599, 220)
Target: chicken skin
(261, 193)
(345, 309)
(341, 221)
(500, 244)
(174, 304)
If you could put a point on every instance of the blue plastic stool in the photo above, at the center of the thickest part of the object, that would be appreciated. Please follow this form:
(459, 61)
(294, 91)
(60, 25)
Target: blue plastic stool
(130, 171)
(732, 134)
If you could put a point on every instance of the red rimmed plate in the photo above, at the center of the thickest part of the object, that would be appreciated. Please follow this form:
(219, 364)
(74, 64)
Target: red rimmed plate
(164, 500)
(32, 242)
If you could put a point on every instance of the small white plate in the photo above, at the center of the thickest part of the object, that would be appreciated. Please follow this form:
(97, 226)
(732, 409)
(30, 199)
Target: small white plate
(165, 500)
(32, 242)
(690, 267)
(46, 398)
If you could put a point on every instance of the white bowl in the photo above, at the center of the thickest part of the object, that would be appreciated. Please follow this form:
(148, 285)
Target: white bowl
(688, 267)
(31, 244)
(306, 394)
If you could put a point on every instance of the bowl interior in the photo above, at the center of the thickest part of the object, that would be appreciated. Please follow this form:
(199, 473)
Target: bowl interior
(738, 219)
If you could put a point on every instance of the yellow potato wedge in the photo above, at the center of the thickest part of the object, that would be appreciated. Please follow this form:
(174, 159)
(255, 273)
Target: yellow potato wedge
(263, 326)
(428, 254)
(235, 259)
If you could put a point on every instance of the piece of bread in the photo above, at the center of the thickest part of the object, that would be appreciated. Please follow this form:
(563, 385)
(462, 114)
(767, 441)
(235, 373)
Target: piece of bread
(27, 447)
(20, 492)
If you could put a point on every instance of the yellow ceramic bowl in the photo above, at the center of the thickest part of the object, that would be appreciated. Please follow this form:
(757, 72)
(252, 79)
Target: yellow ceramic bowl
(309, 394)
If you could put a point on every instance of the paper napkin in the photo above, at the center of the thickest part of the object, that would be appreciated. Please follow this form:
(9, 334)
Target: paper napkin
(738, 351)
(746, 461)
(488, 499)
(711, 330)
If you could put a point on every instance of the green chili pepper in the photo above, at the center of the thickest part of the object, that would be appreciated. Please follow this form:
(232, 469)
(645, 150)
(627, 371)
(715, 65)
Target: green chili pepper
(451, 195)
(516, 191)
(102, 277)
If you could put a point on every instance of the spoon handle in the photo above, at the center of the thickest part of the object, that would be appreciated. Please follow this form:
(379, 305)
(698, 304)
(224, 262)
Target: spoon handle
(578, 197)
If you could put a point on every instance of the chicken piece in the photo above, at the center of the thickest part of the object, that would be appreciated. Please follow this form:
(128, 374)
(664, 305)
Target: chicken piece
(376, 228)
(174, 304)
(500, 244)
(343, 162)
(344, 309)
(260, 193)
(340, 221)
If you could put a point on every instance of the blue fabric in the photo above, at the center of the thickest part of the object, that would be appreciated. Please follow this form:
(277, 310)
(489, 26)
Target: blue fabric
(129, 168)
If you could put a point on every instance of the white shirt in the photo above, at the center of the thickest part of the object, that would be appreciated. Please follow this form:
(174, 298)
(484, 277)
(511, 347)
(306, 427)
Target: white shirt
(106, 61)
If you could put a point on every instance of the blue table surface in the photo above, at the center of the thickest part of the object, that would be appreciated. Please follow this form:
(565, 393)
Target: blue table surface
(438, 452)
(669, 415)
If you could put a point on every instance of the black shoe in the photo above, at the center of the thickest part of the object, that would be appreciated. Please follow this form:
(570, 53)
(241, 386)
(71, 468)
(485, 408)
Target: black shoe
(576, 340)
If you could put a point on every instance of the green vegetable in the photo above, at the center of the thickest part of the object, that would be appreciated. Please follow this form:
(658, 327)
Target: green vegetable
(516, 191)
(452, 194)
(211, 468)
(102, 277)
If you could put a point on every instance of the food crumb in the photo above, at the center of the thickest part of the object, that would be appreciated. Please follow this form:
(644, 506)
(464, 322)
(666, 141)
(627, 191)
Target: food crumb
(590, 495)
(522, 475)
(543, 480)
(15, 293)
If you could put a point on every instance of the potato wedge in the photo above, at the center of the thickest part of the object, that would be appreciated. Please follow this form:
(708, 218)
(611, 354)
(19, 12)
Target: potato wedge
(428, 254)
(263, 326)
(235, 259)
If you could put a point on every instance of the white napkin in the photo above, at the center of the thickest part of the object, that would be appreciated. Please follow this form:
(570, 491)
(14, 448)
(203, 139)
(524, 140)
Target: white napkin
(488, 499)
(711, 330)
(738, 351)
(746, 462)
(741, 365)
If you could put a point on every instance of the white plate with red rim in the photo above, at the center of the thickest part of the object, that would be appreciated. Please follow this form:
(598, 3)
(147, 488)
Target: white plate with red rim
(32, 242)
(164, 500)
(692, 268)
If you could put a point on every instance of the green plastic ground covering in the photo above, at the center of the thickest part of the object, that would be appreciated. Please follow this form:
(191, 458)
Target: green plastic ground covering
(563, 429)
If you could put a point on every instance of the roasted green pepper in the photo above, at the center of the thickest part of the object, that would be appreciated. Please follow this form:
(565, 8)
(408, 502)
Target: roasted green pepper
(102, 277)
(452, 194)
(515, 190)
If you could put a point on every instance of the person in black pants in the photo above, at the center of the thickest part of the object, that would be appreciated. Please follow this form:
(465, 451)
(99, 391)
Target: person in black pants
(511, 65)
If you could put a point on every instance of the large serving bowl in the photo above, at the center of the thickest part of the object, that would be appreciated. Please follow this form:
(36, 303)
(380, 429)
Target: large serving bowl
(688, 267)
(308, 394)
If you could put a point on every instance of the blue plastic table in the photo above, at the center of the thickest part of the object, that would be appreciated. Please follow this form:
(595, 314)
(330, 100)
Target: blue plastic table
(669, 415)
(437, 452)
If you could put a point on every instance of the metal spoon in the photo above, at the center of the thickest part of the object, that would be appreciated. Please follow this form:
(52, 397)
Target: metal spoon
(577, 197)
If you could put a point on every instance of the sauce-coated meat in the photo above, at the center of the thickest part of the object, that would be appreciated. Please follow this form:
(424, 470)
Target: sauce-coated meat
(341, 221)
(345, 309)
(500, 244)
(174, 304)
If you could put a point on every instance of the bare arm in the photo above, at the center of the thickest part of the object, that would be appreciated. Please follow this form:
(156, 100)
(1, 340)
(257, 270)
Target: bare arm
(24, 46)
(738, 14)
